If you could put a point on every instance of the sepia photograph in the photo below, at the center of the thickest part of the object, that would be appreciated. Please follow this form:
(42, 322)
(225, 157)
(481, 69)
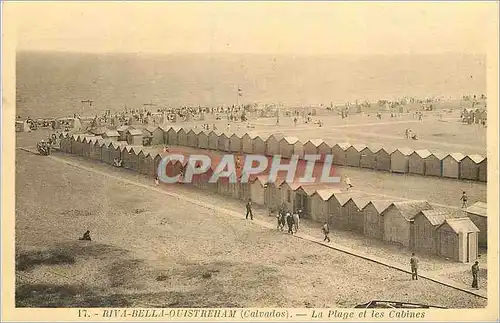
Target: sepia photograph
(236, 160)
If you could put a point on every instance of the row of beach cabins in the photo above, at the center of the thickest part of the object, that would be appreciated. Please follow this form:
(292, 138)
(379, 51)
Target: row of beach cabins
(401, 160)
(413, 224)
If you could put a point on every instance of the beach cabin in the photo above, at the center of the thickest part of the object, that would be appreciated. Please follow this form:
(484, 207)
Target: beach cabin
(339, 153)
(171, 136)
(142, 160)
(223, 143)
(290, 146)
(247, 143)
(400, 160)
(469, 167)
(273, 194)
(106, 152)
(373, 219)
(116, 152)
(338, 215)
(434, 164)
(301, 200)
(311, 146)
(203, 140)
(192, 138)
(257, 190)
(477, 213)
(95, 152)
(483, 170)
(319, 204)
(98, 131)
(451, 165)
(367, 158)
(383, 158)
(154, 162)
(122, 132)
(111, 135)
(325, 148)
(273, 145)
(154, 135)
(134, 137)
(235, 143)
(182, 137)
(131, 158)
(458, 240)
(397, 220)
(86, 146)
(353, 155)
(213, 140)
(354, 214)
(260, 145)
(424, 235)
(288, 194)
(417, 160)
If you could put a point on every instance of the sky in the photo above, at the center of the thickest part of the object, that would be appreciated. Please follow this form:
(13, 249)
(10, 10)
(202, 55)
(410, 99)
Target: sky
(255, 27)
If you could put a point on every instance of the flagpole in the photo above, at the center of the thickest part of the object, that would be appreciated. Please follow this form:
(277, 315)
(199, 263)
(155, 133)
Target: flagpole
(238, 96)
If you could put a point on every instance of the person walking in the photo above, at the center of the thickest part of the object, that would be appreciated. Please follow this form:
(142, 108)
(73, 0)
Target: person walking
(414, 266)
(249, 209)
(326, 231)
(347, 181)
(157, 181)
(475, 272)
(289, 222)
(464, 199)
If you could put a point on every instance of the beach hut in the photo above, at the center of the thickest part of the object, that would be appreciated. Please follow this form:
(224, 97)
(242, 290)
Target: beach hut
(311, 146)
(260, 145)
(397, 220)
(155, 135)
(247, 143)
(417, 164)
(128, 157)
(192, 138)
(483, 170)
(458, 240)
(288, 194)
(373, 219)
(172, 137)
(86, 146)
(116, 152)
(325, 148)
(98, 131)
(273, 194)
(95, 152)
(339, 153)
(383, 158)
(213, 140)
(257, 190)
(235, 143)
(111, 135)
(273, 145)
(320, 206)
(451, 165)
(134, 137)
(434, 164)
(477, 213)
(122, 132)
(353, 155)
(223, 142)
(106, 152)
(354, 214)
(367, 158)
(338, 215)
(469, 167)
(182, 137)
(203, 140)
(400, 160)
(424, 235)
(153, 162)
(302, 199)
(289, 146)
(142, 161)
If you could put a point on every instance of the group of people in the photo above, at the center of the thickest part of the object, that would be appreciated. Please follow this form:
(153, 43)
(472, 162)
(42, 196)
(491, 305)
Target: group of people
(410, 135)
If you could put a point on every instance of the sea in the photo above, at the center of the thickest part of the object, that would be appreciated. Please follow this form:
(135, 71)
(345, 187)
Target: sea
(54, 84)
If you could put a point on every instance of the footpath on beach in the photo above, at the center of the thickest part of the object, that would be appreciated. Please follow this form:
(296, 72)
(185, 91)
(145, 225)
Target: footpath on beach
(331, 245)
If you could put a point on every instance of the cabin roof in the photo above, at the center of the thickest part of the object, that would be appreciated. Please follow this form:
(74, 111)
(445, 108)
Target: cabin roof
(423, 153)
(380, 205)
(477, 159)
(478, 208)
(408, 209)
(316, 142)
(405, 151)
(134, 132)
(436, 217)
(122, 128)
(326, 193)
(459, 225)
(291, 140)
(344, 145)
(359, 147)
(112, 133)
(456, 156)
